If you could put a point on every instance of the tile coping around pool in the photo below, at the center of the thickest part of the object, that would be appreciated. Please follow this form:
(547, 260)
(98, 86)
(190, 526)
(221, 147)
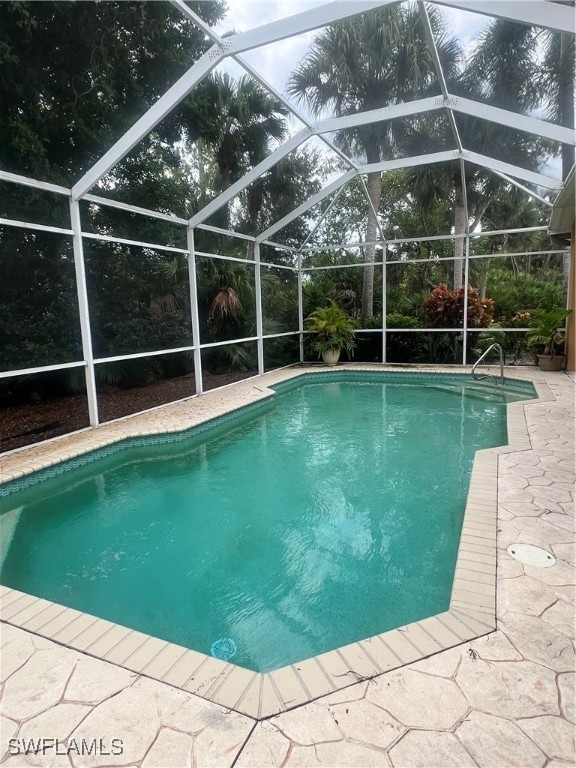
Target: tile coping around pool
(471, 614)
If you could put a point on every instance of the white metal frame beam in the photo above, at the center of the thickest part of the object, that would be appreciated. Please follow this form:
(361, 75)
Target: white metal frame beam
(26, 181)
(391, 112)
(539, 13)
(109, 203)
(149, 120)
(189, 13)
(410, 162)
(38, 227)
(512, 170)
(473, 157)
(466, 106)
(307, 21)
(244, 41)
(248, 178)
(438, 68)
(424, 239)
(321, 219)
(512, 119)
(529, 192)
(310, 203)
(459, 104)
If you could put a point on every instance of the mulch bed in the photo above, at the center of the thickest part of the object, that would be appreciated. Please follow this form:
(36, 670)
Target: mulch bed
(29, 423)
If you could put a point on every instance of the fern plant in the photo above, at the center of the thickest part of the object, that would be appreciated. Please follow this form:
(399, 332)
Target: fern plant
(334, 329)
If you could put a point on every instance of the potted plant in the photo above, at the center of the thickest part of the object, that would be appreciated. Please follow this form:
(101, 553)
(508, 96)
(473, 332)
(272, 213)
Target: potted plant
(334, 331)
(547, 335)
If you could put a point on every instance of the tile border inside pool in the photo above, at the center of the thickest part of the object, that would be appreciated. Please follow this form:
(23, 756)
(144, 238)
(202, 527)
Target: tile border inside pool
(471, 614)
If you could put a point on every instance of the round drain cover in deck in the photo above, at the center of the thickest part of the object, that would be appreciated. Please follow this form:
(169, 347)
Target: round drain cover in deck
(531, 555)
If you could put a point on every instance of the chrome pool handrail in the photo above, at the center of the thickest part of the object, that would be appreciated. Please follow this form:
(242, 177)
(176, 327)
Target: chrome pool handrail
(477, 363)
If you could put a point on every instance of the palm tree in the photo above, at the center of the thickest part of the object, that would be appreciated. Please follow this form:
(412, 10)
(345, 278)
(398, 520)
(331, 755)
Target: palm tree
(507, 69)
(480, 188)
(236, 120)
(524, 68)
(558, 76)
(277, 192)
(373, 60)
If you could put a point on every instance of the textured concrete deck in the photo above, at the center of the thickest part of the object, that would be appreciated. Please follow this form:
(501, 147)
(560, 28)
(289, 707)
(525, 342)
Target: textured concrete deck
(507, 699)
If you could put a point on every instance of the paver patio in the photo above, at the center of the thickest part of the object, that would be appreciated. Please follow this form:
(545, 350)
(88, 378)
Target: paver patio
(506, 699)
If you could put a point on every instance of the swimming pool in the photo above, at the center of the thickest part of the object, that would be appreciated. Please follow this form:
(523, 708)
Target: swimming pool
(281, 528)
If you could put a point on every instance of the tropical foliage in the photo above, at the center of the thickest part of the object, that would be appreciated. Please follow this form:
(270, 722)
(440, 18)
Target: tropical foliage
(333, 329)
(446, 309)
(64, 106)
(371, 61)
(546, 331)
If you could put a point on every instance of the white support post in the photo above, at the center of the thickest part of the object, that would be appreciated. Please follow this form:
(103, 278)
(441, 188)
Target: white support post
(466, 261)
(84, 312)
(466, 279)
(300, 309)
(384, 297)
(258, 298)
(194, 310)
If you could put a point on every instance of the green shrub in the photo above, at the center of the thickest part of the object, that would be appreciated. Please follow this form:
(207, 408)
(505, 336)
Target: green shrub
(516, 293)
(396, 320)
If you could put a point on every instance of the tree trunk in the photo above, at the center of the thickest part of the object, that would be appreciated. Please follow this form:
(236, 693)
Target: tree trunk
(484, 279)
(459, 229)
(480, 215)
(374, 192)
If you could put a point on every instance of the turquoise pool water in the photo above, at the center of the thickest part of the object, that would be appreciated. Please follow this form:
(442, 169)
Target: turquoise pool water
(328, 514)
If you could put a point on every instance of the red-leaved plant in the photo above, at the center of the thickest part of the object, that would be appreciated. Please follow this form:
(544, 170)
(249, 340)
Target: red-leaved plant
(445, 308)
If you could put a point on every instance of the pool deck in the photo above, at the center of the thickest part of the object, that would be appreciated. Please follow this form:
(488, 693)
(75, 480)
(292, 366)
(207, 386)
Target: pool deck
(505, 699)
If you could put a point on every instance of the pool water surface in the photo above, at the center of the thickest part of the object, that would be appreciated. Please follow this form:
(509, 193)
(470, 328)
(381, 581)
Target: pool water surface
(330, 513)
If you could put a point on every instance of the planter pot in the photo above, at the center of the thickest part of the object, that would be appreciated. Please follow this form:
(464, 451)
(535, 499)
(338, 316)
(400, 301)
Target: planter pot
(331, 356)
(548, 363)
